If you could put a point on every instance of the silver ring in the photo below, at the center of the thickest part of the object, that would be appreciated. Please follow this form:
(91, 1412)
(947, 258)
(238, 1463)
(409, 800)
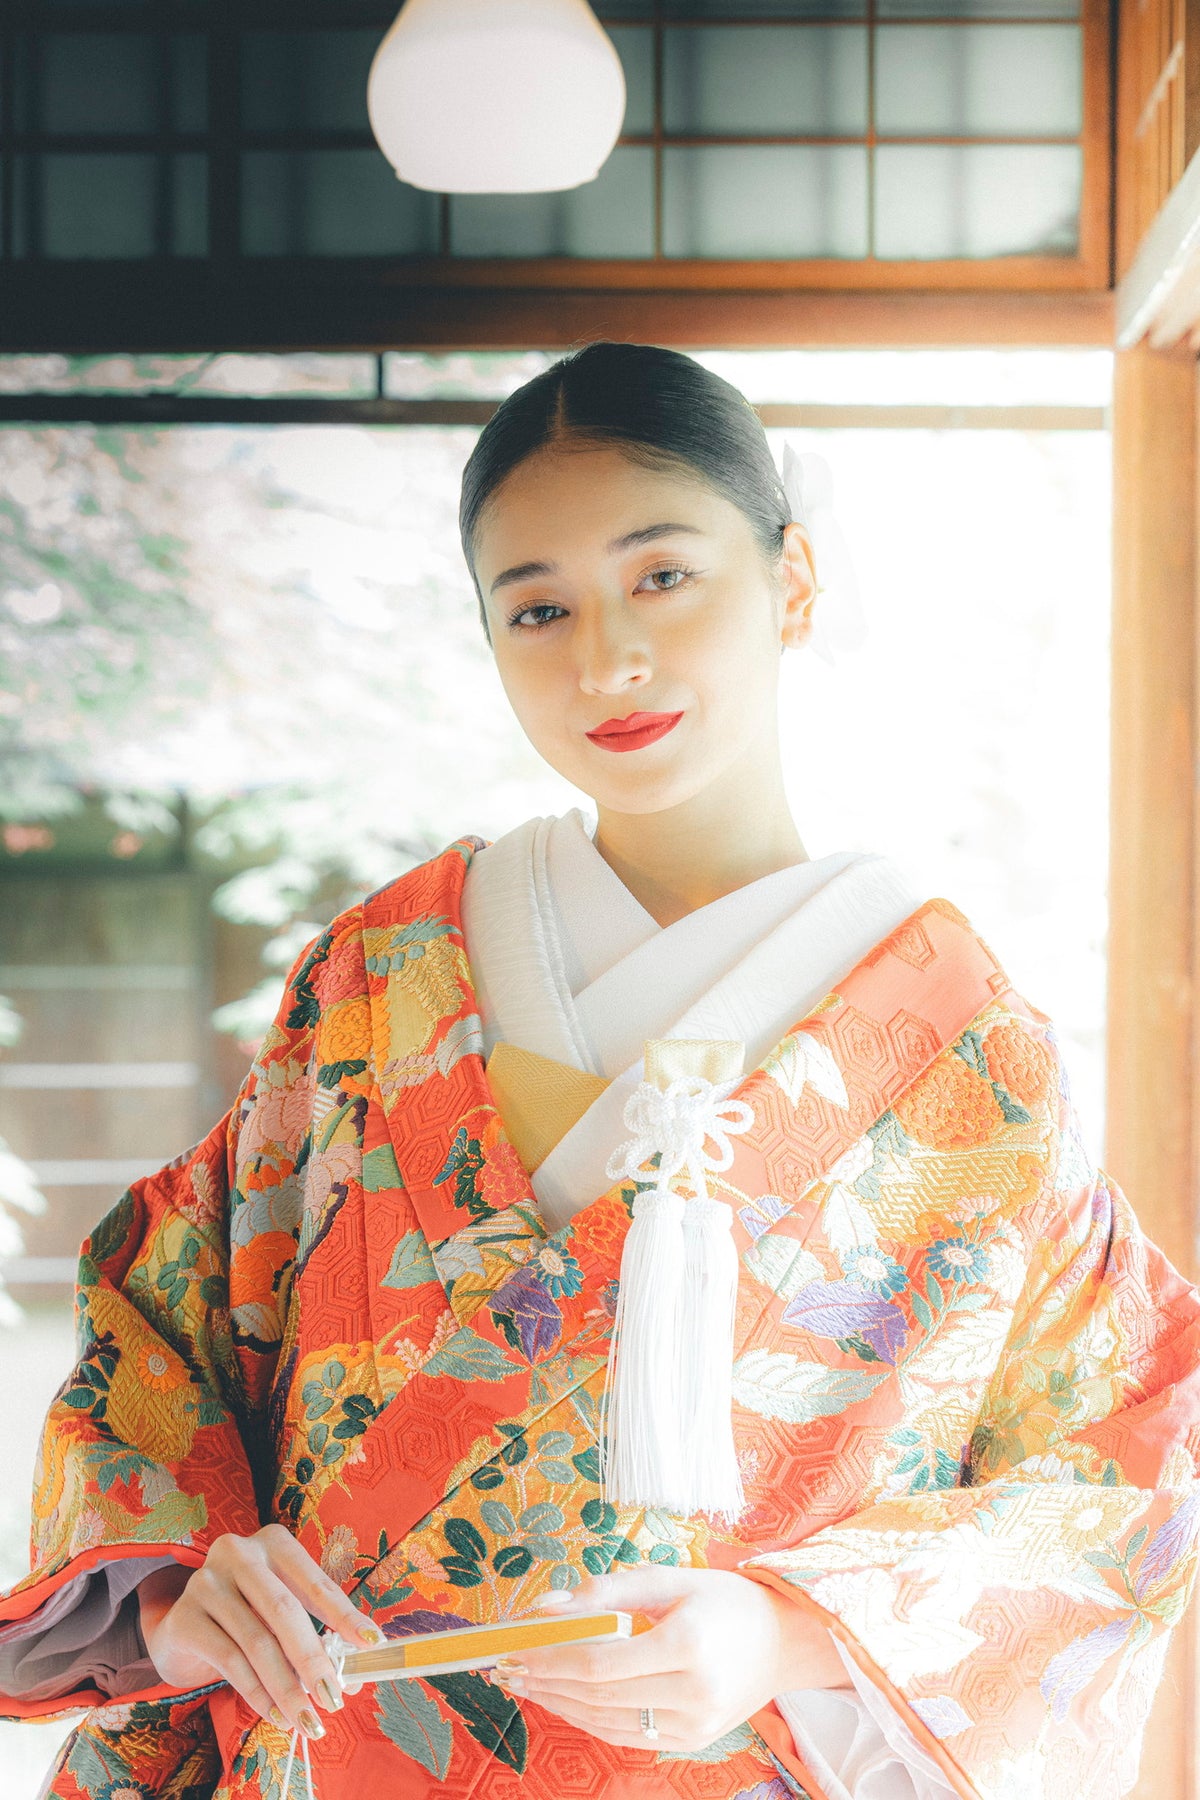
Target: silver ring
(649, 1728)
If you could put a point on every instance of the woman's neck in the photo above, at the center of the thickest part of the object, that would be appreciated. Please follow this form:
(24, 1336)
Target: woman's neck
(675, 861)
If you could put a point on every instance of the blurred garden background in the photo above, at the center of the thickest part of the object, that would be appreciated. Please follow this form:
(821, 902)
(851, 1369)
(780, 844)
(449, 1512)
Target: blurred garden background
(242, 681)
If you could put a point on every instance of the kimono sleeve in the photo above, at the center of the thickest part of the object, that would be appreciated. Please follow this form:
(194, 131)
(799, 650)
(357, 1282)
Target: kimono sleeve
(1017, 1621)
(157, 1443)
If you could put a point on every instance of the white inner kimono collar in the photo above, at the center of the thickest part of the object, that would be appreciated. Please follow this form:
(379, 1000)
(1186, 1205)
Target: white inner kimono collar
(568, 964)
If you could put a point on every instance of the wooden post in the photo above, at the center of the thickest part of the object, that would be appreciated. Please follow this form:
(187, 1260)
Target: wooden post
(1153, 1032)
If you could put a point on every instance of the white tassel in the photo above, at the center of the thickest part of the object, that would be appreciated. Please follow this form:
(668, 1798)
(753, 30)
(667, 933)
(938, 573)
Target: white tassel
(641, 1458)
(712, 1479)
(667, 1437)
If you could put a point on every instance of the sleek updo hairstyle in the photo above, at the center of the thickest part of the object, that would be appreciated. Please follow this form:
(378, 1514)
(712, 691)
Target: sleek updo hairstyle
(664, 410)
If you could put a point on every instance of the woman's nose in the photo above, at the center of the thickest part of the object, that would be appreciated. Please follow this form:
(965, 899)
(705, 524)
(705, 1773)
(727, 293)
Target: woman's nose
(611, 660)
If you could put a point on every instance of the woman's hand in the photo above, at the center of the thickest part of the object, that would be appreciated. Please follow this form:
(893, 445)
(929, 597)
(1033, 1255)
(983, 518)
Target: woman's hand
(242, 1617)
(722, 1646)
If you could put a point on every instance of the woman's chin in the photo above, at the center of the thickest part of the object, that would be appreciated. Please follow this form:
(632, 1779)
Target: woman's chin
(640, 792)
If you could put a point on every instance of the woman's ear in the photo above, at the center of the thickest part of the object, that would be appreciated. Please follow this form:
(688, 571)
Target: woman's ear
(799, 586)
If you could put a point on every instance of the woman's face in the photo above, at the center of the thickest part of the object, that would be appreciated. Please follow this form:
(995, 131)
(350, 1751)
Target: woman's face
(636, 624)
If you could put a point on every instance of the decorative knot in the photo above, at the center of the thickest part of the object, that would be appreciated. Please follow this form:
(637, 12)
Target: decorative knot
(677, 1123)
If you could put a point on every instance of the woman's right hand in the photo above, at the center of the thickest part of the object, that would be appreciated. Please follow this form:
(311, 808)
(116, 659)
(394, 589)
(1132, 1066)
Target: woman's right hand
(242, 1617)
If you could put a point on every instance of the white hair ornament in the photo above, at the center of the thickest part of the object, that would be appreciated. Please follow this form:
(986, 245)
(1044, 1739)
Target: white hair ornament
(838, 620)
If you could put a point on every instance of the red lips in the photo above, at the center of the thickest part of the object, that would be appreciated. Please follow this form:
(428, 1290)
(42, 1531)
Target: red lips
(633, 732)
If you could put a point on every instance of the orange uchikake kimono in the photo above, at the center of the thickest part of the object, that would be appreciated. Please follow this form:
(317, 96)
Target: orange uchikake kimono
(969, 1449)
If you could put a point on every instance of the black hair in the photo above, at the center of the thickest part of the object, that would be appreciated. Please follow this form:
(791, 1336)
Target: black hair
(664, 409)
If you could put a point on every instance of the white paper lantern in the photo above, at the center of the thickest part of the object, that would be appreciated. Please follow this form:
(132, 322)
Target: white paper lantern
(496, 96)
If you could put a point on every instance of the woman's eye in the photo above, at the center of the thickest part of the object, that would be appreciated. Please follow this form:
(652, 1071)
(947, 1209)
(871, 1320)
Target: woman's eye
(676, 569)
(531, 618)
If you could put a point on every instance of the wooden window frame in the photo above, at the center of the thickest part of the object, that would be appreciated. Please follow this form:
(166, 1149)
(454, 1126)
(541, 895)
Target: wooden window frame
(403, 275)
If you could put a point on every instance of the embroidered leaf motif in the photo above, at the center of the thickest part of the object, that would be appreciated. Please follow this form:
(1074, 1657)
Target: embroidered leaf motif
(331, 1075)
(459, 1255)
(380, 1171)
(532, 1313)
(778, 1386)
(307, 1008)
(588, 1463)
(1014, 1112)
(467, 1357)
(462, 1536)
(942, 1713)
(395, 948)
(464, 1161)
(512, 1560)
(171, 1519)
(411, 1265)
(110, 1233)
(1173, 1537)
(847, 1222)
(84, 1763)
(783, 1265)
(415, 1723)
(492, 1719)
(970, 1047)
(463, 1037)
(1068, 1673)
(760, 1214)
(803, 1061)
(497, 1517)
(964, 1348)
(838, 1309)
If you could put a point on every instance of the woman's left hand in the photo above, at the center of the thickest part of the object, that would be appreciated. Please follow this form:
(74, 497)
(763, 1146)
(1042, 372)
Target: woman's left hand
(722, 1646)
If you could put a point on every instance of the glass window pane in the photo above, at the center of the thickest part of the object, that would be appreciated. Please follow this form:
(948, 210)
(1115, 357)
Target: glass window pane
(22, 166)
(978, 9)
(332, 203)
(98, 83)
(765, 79)
(977, 200)
(189, 82)
(350, 376)
(635, 47)
(99, 205)
(963, 80)
(459, 374)
(917, 377)
(772, 200)
(189, 205)
(306, 80)
(765, 9)
(610, 216)
(304, 372)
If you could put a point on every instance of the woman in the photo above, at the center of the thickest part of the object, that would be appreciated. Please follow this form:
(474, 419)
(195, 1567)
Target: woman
(908, 1504)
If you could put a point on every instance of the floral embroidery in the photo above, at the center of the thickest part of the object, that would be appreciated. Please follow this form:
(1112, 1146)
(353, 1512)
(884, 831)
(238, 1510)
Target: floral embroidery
(557, 1271)
(874, 1270)
(958, 1260)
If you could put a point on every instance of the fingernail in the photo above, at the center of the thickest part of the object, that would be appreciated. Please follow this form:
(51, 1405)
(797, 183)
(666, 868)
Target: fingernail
(508, 1666)
(277, 1718)
(310, 1725)
(331, 1700)
(555, 1597)
(372, 1634)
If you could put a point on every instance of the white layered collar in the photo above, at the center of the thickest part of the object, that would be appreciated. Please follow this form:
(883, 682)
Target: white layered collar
(568, 964)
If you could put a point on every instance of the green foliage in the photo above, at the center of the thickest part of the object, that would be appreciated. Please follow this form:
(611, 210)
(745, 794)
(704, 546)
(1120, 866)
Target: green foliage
(276, 625)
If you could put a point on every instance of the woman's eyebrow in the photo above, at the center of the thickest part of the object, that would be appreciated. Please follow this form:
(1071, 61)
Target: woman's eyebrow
(644, 533)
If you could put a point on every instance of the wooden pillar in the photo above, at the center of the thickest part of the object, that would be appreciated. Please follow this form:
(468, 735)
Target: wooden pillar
(1153, 1033)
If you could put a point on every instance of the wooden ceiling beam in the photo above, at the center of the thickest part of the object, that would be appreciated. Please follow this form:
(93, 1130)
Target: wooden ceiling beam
(136, 307)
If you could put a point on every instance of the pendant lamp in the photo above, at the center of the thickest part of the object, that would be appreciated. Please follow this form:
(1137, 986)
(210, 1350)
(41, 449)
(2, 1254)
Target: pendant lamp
(496, 96)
